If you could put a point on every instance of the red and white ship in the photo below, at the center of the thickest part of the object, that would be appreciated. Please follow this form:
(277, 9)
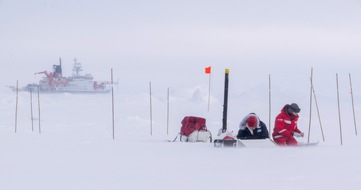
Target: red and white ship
(55, 82)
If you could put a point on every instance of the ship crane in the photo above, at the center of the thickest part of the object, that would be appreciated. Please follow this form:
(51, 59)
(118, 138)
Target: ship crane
(48, 75)
(78, 83)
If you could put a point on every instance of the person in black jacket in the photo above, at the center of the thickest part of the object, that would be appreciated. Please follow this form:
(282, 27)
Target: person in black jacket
(251, 127)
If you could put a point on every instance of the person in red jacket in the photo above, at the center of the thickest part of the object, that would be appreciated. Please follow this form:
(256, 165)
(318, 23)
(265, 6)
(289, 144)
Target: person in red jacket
(286, 126)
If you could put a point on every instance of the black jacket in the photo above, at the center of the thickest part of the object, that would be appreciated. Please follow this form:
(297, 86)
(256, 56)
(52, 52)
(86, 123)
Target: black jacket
(260, 132)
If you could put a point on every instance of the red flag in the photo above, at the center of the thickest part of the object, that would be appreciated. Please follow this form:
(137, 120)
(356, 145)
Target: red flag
(207, 70)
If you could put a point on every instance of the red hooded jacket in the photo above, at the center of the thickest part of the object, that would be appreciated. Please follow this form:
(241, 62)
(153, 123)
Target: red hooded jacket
(285, 124)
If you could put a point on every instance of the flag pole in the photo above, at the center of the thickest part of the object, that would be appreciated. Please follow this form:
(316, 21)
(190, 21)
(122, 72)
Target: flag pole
(209, 91)
(338, 103)
(225, 102)
(207, 70)
(353, 105)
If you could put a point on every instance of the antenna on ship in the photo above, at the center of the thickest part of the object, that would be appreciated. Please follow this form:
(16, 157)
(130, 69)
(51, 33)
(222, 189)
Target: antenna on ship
(76, 68)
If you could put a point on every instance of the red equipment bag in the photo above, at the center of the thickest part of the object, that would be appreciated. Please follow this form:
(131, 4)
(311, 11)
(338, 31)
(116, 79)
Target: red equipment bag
(192, 123)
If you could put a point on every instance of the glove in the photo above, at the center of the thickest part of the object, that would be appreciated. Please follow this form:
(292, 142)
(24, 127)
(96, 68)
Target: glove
(298, 134)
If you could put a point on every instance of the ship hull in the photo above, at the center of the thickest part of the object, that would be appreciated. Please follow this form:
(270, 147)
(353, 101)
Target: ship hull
(73, 85)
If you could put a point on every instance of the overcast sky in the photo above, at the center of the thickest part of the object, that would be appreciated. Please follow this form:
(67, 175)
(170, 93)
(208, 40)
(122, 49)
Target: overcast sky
(170, 39)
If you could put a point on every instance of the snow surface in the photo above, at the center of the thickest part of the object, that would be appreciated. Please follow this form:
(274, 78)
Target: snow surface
(169, 43)
(76, 150)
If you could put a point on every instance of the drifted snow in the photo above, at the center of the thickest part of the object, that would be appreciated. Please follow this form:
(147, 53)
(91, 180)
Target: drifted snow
(76, 150)
(169, 43)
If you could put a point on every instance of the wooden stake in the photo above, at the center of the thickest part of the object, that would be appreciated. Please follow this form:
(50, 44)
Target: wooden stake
(269, 104)
(353, 105)
(16, 105)
(168, 111)
(339, 112)
(113, 126)
(39, 108)
(318, 112)
(150, 107)
(31, 110)
(309, 121)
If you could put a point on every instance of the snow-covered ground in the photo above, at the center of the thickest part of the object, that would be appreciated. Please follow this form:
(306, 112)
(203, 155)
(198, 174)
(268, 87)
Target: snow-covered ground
(169, 43)
(76, 149)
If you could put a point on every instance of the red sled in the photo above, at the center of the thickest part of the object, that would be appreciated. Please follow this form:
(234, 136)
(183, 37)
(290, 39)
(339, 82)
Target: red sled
(194, 129)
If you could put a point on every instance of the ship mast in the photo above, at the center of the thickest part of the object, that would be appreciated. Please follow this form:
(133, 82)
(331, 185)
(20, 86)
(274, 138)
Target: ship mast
(76, 68)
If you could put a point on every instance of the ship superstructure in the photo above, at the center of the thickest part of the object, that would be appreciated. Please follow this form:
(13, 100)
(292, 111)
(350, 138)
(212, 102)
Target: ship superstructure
(77, 83)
